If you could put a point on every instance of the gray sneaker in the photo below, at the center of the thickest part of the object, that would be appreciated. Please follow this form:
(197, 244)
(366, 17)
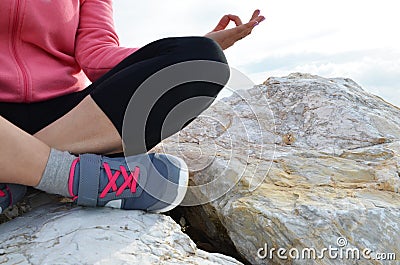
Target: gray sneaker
(10, 194)
(150, 182)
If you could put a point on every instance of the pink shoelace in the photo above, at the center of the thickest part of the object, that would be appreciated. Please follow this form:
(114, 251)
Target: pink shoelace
(130, 180)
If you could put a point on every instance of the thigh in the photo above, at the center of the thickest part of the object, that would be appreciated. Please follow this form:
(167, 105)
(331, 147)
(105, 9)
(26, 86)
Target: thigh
(32, 117)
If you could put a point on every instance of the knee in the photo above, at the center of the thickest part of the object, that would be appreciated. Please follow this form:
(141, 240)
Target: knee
(212, 64)
(212, 49)
(206, 49)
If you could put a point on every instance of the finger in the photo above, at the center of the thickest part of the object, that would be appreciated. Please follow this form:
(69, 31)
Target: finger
(247, 28)
(236, 19)
(256, 13)
(257, 20)
(223, 23)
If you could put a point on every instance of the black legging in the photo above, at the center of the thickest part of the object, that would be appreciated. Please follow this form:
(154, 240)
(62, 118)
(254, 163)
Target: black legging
(113, 91)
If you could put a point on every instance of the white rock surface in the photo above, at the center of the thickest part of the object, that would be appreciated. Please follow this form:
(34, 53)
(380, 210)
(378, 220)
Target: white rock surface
(324, 154)
(59, 234)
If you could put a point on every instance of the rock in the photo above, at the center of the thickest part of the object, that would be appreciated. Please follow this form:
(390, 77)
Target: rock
(57, 233)
(298, 162)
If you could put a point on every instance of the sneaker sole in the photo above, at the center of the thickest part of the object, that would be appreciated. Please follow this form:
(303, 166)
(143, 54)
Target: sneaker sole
(183, 184)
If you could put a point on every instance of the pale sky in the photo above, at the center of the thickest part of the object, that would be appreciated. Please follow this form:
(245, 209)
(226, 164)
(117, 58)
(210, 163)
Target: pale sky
(342, 38)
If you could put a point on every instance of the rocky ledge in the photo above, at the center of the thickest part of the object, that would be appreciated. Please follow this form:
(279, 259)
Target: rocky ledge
(58, 233)
(298, 163)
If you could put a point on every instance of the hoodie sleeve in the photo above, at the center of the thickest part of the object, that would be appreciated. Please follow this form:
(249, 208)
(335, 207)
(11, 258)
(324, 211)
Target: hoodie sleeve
(97, 47)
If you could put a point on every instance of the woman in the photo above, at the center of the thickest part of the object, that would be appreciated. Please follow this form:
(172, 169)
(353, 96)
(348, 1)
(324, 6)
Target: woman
(50, 122)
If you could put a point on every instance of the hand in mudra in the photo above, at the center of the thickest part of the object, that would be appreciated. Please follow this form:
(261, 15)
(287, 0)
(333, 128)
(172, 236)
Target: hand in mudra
(227, 37)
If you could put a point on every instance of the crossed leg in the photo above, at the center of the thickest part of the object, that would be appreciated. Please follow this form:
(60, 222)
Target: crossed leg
(23, 157)
(72, 133)
(94, 125)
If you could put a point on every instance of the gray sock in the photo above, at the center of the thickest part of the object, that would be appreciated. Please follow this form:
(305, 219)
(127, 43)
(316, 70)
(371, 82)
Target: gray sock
(56, 174)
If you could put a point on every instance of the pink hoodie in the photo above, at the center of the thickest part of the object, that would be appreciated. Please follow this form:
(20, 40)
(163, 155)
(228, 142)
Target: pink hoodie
(47, 47)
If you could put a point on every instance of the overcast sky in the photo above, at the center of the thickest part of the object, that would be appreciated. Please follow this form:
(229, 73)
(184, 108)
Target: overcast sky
(342, 38)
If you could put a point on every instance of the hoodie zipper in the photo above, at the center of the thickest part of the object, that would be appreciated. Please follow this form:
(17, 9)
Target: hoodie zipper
(14, 49)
